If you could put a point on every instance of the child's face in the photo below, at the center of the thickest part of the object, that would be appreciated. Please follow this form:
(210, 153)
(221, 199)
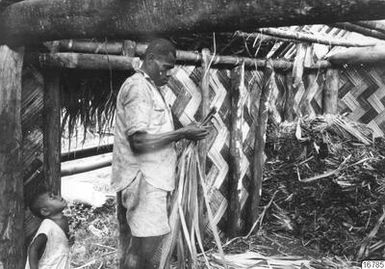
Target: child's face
(51, 204)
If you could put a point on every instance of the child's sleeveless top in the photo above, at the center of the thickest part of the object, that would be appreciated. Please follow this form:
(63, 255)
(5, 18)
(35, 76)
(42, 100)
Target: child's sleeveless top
(56, 253)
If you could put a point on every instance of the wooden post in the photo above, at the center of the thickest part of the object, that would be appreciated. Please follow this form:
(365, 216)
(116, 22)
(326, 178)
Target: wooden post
(330, 92)
(205, 106)
(51, 130)
(289, 113)
(259, 145)
(11, 178)
(234, 211)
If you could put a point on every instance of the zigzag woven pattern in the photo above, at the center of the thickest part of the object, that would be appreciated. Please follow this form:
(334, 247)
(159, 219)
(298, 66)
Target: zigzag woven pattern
(184, 96)
(362, 95)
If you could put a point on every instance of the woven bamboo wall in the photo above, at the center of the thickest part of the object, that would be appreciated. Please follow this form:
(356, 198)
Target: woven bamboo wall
(361, 96)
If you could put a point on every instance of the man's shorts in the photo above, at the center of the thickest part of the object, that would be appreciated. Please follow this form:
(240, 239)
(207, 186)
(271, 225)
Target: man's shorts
(146, 208)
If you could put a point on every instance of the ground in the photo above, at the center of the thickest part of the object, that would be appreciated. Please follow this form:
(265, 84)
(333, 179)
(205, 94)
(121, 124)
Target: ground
(96, 235)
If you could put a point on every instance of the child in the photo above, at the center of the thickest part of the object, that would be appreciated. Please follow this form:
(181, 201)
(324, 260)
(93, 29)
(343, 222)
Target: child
(49, 248)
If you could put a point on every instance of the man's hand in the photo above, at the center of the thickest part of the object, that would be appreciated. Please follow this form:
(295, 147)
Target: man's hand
(194, 132)
(141, 142)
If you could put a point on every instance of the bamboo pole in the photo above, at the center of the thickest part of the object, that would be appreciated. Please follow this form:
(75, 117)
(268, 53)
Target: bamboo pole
(86, 61)
(11, 177)
(259, 144)
(205, 83)
(375, 25)
(51, 130)
(359, 29)
(359, 56)
(72, 169)
(95, 62)
(110, 47)
(236, 114)
(356, 56)
(202, 150)
(286, 35)
(182, 56)
(330, 92)
(92, 61)
(84, 153)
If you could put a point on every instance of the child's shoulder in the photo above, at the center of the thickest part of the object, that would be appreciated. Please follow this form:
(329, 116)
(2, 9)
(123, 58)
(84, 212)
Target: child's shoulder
(46, 225)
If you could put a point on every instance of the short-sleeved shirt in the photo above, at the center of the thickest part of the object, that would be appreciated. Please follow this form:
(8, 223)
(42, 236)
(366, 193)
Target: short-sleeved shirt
(56, 252)
(141, 107)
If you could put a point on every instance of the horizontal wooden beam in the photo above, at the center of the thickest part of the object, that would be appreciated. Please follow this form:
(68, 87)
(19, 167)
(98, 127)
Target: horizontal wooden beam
(85, 61)
(71, 168)
(43, 20)
(375, 25)
(354, 56)
(115, 62)
(182, 56)
(304, 37)
(361, 30)
(84, 153)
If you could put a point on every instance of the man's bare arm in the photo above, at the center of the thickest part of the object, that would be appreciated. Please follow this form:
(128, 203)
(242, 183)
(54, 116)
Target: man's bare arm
(144, 142)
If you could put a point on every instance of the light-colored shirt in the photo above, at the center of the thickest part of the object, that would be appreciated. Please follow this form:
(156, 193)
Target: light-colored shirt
(56, 253)
(140, 107)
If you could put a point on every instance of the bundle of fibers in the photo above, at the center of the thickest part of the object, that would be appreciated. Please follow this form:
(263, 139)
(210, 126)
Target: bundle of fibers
(185, 235)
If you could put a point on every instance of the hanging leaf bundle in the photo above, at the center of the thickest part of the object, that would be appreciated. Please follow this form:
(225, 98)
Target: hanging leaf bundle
(185, 216)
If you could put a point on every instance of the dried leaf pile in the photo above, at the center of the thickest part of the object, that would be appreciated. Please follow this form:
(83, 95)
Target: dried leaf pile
(324, 183)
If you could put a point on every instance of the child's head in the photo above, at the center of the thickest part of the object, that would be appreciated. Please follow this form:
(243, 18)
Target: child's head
(45, 204)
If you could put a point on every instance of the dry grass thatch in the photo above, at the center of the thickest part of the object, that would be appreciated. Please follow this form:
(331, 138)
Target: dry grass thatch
(324, 183)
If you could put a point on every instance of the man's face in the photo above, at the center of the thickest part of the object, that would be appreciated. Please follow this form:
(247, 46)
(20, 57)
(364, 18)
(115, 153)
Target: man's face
(162, 69)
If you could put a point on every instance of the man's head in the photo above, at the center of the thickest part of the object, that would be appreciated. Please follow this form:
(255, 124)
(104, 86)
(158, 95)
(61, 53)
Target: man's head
(45, 204)
(159, 59)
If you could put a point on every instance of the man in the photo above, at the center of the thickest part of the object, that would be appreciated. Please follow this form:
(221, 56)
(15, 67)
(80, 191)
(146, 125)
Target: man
(144, 157)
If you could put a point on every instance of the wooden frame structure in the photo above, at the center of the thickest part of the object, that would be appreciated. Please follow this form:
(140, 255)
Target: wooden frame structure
(20, 27)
